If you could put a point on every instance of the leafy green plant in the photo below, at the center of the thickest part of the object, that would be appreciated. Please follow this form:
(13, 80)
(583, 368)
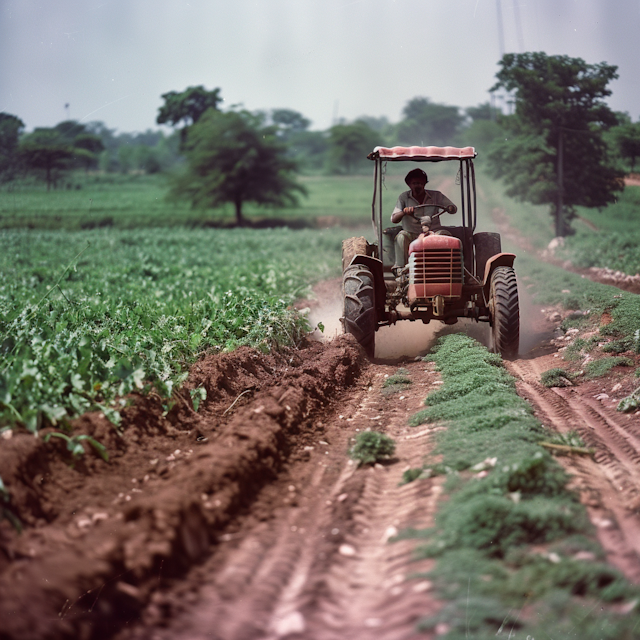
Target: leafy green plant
(5, 512)
(75, 446)
(372, 446)
(630, 403)
(197, 396)
(138, 307)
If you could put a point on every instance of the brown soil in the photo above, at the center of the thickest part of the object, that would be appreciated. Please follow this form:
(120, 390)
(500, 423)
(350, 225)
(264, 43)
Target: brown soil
(247, 519)
(244, 520)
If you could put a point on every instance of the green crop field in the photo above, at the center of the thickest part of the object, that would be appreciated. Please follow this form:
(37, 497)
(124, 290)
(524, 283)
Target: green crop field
(88, 316)
(108, 285)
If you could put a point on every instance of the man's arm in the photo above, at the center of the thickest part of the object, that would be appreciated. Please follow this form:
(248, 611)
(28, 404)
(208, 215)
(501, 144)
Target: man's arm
(443, 201)
(400, 210)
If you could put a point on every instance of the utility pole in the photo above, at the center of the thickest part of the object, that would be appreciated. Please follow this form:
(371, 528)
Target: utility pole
(500, 28)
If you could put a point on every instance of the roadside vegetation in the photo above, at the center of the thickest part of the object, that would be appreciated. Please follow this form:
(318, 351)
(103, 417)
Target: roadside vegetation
(515, 551)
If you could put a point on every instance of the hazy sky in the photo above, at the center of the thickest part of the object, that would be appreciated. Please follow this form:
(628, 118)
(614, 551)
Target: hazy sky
(110, 60)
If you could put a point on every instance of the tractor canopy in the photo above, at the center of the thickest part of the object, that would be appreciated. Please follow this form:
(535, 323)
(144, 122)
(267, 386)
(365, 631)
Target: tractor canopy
(422, 154)
(465, 178)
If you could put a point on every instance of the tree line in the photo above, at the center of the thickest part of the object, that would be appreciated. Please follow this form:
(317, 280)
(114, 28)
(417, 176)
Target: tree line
(558, 144)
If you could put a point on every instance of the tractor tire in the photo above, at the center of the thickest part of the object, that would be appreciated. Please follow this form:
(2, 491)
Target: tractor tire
(352, 247)
(359, 318)
(505, 312)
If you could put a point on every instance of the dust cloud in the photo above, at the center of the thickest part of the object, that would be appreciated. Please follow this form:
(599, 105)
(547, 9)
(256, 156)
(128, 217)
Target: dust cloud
(406, 339)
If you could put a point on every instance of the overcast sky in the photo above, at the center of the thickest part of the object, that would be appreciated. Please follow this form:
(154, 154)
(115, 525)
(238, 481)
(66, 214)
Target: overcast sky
(110, 60)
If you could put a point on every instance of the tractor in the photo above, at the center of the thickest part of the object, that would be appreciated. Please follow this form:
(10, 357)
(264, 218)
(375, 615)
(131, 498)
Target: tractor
(462, 274)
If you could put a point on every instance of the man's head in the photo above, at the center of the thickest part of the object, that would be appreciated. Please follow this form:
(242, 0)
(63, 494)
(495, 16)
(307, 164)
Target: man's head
(416, 181)
(416, 174)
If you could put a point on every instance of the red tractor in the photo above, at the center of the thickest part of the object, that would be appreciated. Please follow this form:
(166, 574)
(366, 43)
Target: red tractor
(460, 275)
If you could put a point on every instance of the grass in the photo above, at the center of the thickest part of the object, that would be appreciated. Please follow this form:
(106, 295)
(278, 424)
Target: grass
(397, 382)
(129, 202)
(602, 366)
(371, 447)
(556, 377)
(133, 201)
(515, 551)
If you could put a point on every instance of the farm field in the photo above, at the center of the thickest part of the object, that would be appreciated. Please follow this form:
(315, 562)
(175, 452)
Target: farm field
(230, 505)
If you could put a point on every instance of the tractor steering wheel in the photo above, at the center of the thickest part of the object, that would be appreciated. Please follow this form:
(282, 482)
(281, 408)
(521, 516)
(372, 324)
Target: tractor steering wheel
(426, 225)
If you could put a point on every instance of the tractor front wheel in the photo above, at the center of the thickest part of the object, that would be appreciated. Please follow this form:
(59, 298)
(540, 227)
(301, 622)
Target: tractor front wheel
(359, 318)
(505, 312)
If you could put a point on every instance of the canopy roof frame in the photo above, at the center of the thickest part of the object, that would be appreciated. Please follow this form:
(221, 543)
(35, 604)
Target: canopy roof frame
(464, 155)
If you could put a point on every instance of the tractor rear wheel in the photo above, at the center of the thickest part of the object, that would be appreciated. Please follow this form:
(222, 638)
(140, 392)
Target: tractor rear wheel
(505, 312)
(359, 318)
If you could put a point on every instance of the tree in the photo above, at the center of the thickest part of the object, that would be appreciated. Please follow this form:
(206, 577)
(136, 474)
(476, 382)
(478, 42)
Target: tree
(483, 111)
(309, 149)
(554, 152)
(289, 122)
(10, 129)
(232, 157)
(427, 123)
(349, 145)
(627, 138)
(188, 106)
(55, 150)
(45, 150)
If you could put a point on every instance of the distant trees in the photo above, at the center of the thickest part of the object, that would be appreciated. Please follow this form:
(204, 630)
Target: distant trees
(187, 106)
(235, 158)
(44, 151)
(426, 123)
(10, 129)
(349, 145)
(554, 152)
(483, 129)
(627, 142)
(53, 151)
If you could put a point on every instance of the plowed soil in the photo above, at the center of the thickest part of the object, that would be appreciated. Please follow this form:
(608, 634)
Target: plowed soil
(248, 520)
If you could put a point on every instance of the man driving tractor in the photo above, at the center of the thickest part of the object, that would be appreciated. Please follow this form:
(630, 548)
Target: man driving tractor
(413, 205)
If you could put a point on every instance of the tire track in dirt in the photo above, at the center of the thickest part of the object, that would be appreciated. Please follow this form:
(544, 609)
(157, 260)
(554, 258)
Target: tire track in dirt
(609, 484)
(325, 565)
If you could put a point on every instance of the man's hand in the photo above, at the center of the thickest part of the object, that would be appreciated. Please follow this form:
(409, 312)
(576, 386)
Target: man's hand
(452, 208)
(408, 211)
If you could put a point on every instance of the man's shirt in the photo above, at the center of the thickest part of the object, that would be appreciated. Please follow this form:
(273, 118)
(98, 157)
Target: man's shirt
(411, 223)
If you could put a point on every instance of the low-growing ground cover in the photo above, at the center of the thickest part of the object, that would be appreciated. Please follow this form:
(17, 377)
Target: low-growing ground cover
(514, 547)
(601, 328)
(132, 201)
(140, 200)
(86, 317)
(609, 238)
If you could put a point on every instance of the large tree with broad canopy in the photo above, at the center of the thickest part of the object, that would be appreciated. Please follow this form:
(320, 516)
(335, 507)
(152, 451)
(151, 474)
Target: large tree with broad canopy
(232, 157)
(553, 151)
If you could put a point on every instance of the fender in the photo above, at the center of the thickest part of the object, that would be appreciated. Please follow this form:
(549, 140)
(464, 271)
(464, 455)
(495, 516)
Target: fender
(499, 260)
(378, 279)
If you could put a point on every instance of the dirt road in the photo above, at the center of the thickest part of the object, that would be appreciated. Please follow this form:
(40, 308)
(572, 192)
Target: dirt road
(248, 520)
